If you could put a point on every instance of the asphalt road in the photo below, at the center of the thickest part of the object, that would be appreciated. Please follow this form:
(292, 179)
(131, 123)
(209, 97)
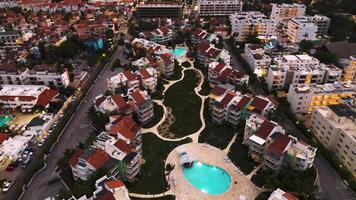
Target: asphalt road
(329, 182)
(76, 131)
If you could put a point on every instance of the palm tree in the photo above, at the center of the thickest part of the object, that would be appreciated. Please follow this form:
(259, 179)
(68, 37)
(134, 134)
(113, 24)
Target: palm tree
(169, 168)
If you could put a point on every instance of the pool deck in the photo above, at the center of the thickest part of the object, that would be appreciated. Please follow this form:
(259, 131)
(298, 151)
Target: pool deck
(213, 156)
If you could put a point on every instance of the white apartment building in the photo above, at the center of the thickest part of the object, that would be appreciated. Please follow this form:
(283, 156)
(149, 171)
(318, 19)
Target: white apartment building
(142, 106)
(218, 7)
(114, 104)
(218, 73)
(207, 53)
(39, 75)
(84, 163)
(269, 144)
(335, 127)
(284, 12)
(26, 96)
(124, 80)
(279, 194)
(106, 188)
(257, 59)
(148, 77)
(348, 66)
(10, 39)
(8, 3)
(321, 21)
(160, 35)
(228, 106)
(303, 98)
(300, 69)
(252, 22)
(299, 29)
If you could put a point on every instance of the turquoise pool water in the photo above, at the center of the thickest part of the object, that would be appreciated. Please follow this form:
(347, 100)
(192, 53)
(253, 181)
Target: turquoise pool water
(4, 120)
(179, 51)
(208, 179)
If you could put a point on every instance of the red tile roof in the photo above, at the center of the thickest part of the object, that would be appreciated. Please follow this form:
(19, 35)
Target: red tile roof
(259, 104)
(99, 100)
(46, 96)
(129, 75)
(75, 157)
(218, 91)
(3, 137)
(223, 76)
(123, 146)
(144, 73)
(137, 97)
(227, 99)
(265, 130)
(98, 159)
(290, 196)
(119, 101)
(114, 184)
(219, 67)
(279, 145)
(243, 102)
(106, 196)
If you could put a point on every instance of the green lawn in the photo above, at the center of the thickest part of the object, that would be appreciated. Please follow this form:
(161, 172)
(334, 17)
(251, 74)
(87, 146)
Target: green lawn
(185, 105)
(158, 110)
(169, 197)
(216, 135)
(186, 64)
(239, 156)
(155, 151)
(288, 179)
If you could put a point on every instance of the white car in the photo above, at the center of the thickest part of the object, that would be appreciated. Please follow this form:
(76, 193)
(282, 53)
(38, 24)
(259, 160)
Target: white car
(7, 186)
(40, 143)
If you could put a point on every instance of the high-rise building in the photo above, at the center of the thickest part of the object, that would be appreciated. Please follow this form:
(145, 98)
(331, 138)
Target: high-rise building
(252, 22)
(303, 98)
(284, 12)
(335, 127)
(219, 7)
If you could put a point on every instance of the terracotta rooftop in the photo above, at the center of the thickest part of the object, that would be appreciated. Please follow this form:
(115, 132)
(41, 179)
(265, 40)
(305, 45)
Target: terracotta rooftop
(123, 146)
(119, 101)
(278, 146)
(259, 104)
(265, 129)
(227, 99)
(144, 73)
(98, 159)
(218, 91)
(114, 184)
(46, 96)
(75, 157)
(137, 97)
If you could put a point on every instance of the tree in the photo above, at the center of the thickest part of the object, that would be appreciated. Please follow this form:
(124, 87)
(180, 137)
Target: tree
(109, 33)
(64, 194)
(252, 38)
(306, 45)
(169, 168)
(326, 57)
(62, 163)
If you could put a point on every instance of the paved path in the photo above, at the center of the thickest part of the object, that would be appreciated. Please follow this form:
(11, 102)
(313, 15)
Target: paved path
(227, 149)
(151, 196)
(193, 136)
(255, 171)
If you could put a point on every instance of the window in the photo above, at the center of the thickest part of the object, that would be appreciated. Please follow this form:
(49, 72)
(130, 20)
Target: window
(347, 147)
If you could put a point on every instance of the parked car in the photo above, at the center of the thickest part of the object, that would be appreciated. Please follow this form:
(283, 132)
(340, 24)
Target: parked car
(10, 168)
(41, 142)
(25, 162)
(7, 186)
(53, 179)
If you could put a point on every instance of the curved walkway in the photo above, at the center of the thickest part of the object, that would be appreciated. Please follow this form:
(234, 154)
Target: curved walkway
(151, 196)
(193, 136)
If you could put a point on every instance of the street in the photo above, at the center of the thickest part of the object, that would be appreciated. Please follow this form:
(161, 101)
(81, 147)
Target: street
(77, 130)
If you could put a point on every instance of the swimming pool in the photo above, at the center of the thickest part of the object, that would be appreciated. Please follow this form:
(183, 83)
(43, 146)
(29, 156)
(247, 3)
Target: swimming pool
(179, 51)
(207, 178)
(4, 120)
